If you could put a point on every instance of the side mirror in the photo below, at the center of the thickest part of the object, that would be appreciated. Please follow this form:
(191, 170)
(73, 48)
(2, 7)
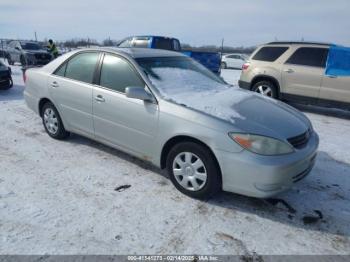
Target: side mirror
(138, 93)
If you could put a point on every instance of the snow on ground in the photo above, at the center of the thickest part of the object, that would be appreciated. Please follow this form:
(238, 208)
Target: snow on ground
(59, 198)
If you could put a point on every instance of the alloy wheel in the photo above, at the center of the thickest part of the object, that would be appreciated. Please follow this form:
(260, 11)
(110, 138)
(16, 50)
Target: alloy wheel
(264, 90)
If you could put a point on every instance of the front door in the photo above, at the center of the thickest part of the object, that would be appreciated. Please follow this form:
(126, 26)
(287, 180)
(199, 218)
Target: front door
(125, 122)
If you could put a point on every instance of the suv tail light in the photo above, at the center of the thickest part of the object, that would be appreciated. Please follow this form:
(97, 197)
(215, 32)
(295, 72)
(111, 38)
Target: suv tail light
(245, 66)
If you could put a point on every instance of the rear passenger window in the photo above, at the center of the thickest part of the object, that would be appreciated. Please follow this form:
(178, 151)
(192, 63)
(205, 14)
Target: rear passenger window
(117, 74)
(309, 56)
(269, 53)
(62, 70)
(82, 67)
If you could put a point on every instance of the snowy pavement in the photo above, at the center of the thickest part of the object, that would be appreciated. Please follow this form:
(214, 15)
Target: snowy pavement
(59, 198)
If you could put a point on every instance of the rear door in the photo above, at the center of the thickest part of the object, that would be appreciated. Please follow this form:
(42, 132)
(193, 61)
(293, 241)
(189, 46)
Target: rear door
(71, 87)
(302, 72)
(125, 122)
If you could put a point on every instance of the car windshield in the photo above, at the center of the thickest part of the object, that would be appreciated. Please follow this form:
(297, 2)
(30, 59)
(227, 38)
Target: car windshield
(174, 75)
(30, 46)
(186, 82)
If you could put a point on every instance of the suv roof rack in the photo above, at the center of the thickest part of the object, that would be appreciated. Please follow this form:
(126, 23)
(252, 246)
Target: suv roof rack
(298, 43)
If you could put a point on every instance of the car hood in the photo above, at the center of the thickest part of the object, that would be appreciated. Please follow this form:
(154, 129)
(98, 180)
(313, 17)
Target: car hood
(243, 110)
(247, 111)
(35, 51)
(265, 116)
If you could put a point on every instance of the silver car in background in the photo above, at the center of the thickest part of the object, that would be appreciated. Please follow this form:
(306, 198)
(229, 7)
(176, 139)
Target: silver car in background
(165, 108)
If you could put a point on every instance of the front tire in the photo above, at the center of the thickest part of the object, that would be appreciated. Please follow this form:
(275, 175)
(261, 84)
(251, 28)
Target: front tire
(265, 88)
(193, 170)
(223, 65)
(52, 122)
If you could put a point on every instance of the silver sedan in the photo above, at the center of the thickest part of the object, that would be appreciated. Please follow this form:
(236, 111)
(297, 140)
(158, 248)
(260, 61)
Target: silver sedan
(167, 109)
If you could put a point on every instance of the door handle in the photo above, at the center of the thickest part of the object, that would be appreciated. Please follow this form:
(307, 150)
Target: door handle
(54, 84)
(100, 98)
(288, 70)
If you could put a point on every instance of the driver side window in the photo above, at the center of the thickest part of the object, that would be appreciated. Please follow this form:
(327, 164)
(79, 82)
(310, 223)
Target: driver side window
(117, 74)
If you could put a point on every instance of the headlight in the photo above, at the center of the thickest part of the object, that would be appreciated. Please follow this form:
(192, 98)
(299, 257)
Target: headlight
(261, 144)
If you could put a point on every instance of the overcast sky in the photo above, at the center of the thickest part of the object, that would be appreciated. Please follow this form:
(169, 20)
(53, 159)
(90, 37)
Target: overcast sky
(197, 22)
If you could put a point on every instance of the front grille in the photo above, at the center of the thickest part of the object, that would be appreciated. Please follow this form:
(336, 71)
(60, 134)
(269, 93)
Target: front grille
(4, 76)
(300, 141)
(43, 56)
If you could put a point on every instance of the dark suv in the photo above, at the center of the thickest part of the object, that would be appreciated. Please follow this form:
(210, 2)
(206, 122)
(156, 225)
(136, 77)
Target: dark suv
(27, 53)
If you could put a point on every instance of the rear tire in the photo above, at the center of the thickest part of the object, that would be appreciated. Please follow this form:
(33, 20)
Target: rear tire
(266, 88)
(193, 170)
(52, 122)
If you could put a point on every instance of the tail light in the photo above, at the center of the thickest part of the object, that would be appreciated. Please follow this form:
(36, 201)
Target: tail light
(245, 66)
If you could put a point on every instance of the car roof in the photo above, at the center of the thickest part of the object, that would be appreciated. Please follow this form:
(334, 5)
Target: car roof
(149, 36)
(28, 42)
(141, 52)
(298, 43)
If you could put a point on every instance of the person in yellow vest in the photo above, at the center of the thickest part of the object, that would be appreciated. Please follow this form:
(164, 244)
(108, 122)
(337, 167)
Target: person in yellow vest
(52, 49)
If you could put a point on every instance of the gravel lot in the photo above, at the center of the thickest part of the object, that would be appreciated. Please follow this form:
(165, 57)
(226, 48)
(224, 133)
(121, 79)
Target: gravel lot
(60, 198)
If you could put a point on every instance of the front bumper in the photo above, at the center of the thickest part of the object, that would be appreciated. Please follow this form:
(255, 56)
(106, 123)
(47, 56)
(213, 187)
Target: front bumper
(5, 82)
(260, 176)
(38, 59)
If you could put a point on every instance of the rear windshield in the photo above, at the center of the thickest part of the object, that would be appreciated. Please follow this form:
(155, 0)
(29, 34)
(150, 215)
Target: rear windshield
(269, 53)
(30, 46)
(162, 43)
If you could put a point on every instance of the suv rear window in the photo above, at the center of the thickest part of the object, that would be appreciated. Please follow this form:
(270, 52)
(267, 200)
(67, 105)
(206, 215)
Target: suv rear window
(309, 56)
(269, 53)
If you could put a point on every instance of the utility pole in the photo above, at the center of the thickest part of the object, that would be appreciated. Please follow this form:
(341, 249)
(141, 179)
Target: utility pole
(36, 38)
(222, 45)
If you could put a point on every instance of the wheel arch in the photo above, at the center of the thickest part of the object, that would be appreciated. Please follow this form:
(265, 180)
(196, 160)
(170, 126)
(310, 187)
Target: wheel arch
(259, 78)
(184, 138)
(42, 102)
